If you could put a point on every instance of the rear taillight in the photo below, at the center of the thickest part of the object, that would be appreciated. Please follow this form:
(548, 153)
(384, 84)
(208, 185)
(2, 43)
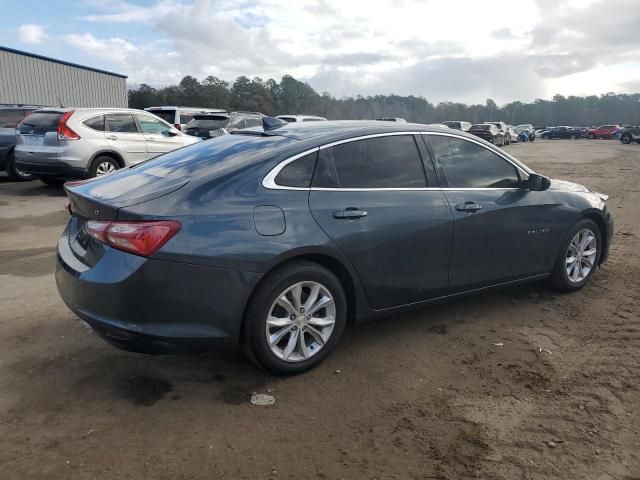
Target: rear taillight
(64, 131)
(139, 238)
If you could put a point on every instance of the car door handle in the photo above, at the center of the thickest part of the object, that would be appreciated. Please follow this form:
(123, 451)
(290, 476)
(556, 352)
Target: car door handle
(150, 139)
(112, 137)
(349, 214)
(468, 207)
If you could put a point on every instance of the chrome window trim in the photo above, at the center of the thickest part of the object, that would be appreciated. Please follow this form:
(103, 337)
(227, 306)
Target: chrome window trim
(269, 180)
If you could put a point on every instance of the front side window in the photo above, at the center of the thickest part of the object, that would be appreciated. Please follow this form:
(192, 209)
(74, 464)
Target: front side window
(298, 173)
(168, 116)
(469, 165)
(253, 122)
(152, 126)
(121, 123)
(381, 162)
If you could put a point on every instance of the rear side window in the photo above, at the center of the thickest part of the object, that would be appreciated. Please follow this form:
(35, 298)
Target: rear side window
(95, 123)
(253, 122)
(382, 162)
(121, 123)
(468, 165)
(40, 123)
(9, 118)
(298, 173)
(168, 116)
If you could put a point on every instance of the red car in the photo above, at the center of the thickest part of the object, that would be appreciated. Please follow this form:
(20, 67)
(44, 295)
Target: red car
(604, 131)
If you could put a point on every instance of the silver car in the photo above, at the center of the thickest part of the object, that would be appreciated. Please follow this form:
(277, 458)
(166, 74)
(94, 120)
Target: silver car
(61, 143)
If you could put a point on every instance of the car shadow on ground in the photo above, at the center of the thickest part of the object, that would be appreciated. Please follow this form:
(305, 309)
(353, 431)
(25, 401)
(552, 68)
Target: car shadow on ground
(90, 371)
(36, 188)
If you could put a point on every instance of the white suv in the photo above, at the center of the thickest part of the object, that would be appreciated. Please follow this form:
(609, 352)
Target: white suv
(60, 143)
(180, 116)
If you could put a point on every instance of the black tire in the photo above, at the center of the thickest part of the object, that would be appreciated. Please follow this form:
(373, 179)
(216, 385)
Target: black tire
(101, 160)
(254, 340)
(13, 173)
(559, 278)
(52, 181)
(626, 139)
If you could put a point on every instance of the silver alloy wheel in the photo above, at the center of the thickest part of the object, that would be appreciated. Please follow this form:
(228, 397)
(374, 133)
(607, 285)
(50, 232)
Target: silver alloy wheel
(581, 255)
(300, 322)
(105, 168)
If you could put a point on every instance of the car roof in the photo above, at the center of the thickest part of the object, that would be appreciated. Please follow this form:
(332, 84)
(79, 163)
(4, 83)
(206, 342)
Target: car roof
(190, 109)
(84, 109)
(335, 130)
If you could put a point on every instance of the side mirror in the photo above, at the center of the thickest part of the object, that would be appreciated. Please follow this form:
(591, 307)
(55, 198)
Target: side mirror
(538, 183)
(172, 132)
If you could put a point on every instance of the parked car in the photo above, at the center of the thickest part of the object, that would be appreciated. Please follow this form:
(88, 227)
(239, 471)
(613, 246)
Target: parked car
(392, 119)
(55, 144)
(528, 130)
(488, 132)
(301, 118)
(606, 132)
(438, 125)
(180, 116)
(513, 135)
(10, 115)
(503, 128)
(630, 134)
(458, 125)
(563, 132)
(211, 125)
(274, 239)
(540, 131)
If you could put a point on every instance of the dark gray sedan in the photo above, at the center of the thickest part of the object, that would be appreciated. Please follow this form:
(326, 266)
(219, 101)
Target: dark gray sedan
(275, 239)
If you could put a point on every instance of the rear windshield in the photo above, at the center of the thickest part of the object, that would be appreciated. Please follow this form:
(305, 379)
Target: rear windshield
(207, 123)
(40, 123)
(9, 118)
(168, 116)
(481, 127)
(288, 119)
(219, 156)
(453, 124)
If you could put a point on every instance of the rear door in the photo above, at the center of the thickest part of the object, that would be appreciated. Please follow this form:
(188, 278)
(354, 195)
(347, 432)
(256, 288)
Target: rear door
(122, 135)
(372, 198)
(502, 231)
(158, 135)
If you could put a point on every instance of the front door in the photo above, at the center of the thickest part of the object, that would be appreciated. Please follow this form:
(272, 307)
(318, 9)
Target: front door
(502, 230)
(372, 199)
(158, 135)
(123, 136)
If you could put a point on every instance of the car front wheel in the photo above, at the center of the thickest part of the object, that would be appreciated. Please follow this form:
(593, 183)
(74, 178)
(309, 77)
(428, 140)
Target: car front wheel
(295, 318)
(626, 139)
(578, 257)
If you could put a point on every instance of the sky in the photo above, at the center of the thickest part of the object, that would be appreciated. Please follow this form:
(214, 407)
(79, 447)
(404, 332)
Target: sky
(455, 50)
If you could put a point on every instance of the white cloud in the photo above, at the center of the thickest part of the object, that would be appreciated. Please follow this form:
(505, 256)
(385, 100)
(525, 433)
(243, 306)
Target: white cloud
(32, 33)
(457, 50)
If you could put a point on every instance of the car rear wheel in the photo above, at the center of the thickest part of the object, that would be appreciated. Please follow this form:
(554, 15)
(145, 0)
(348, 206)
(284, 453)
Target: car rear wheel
(295, 318)
(104, 165)
(14, 173)
(626, 139)
(578, 257)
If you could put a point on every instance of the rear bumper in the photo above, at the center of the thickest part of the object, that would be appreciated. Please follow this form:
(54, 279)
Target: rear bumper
(57, 169)
(154, 306)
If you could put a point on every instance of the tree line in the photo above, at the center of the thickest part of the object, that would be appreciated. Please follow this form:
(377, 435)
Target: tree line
(292, 96)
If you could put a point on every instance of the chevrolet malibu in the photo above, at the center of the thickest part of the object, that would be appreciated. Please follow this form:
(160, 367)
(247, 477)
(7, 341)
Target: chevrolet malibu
(276, 239)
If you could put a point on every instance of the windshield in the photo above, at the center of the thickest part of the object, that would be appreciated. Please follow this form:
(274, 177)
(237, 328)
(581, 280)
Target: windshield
(39, 123)
(207, 123)
(168, 116)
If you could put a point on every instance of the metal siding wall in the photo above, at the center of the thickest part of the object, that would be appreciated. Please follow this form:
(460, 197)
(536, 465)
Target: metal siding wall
(25, 79)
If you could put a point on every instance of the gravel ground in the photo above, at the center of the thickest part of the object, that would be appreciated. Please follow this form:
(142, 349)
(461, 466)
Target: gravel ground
(419, 395)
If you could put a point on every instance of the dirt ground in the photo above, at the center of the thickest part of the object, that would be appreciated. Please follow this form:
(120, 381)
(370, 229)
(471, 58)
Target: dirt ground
(421, 395)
